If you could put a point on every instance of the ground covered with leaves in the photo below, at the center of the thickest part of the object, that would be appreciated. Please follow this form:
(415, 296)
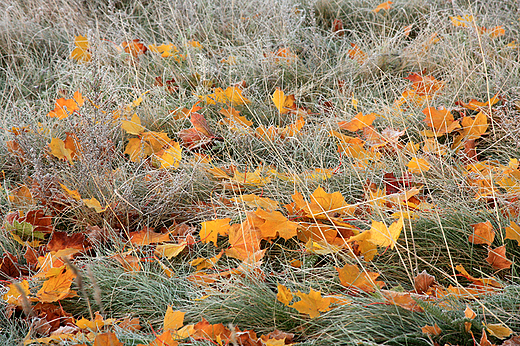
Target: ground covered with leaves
(282, 172)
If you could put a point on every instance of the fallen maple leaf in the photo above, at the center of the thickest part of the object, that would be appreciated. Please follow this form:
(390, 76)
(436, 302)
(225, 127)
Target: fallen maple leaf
(173, 320)
(359, 122)
(107, 339)
(497, 258)
(441, 120)
(210, 230)
(56, 287)
(170, 250)
(403, 299)
(351, 276)
(134, 47)
(96, 324)
(384, 6)
(256, 201)
(432, 330)
(94, 204)
(513, 232)
(423, 282)
(357, 54)
(14, 295)
(147, 236)
(468, 313)
(205, 263)
(282, 102)
(81, 51)
(498, 330)
(312, 303)
(276, 224)
(284, 295)
(483, 233)
(133, 126)
(418, 166)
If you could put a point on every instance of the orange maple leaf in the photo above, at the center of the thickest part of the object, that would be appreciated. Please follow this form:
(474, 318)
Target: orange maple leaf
(357, 54)
(384, 6)
(358, 122)
(497, 258)
(513, 232)
(147, 236)
(483, 233)
(351, 276)
(276, 224)
(441, 120)
(134, 47)
(56, 287)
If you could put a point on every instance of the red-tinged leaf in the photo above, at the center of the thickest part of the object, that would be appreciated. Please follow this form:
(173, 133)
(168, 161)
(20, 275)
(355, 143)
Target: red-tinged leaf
(134, 47)
(423, 282)
(10, 268)
(62, 240)
(497, 258)
(403, 299)
(337, 27)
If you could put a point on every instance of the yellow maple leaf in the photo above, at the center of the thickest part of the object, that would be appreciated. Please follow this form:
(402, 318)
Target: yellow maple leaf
(210, 230)
(205, 263)
(59, 150)
(498, 330)
(56, 287)
(96, 324)
(251, 178)
(256, 201)
(418, 166)
(94, 203)
(171, 157)
(350, 275)
(14, 296)
(170, 250)
(173, 320)
(323, 205)
(134, 149)
(386, 236)
(471, 129)
(81, 51)
(312, 303)
(282, 102)
(133, 126)
(72, 193)
(284, 295)
(513, 232)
